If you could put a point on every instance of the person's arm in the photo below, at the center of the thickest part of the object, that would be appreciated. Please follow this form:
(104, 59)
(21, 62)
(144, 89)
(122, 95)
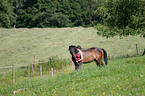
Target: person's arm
(81, 54)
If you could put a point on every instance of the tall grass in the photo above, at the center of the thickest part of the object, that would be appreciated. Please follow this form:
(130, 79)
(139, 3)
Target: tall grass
(22, 72)
(53, 62)
(120, 77)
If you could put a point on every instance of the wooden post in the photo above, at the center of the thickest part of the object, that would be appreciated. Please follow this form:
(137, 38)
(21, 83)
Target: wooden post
(32, 68)
(136, 49)
(34, 61)
(13, 74)
(40, 71)
(29, 71)
(51, 71)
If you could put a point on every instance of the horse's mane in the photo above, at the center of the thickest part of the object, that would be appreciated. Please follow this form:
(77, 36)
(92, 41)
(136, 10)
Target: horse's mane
(78, 46)
(72, 46)
(92, 47)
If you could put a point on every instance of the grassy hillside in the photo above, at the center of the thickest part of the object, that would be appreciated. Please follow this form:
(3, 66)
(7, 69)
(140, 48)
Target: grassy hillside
(18, 46)
(122, 77)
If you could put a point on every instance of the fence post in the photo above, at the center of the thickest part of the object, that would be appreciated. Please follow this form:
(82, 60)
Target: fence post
(136, 49)
(29, 71)
(51, 71)
(34, 61)
(32, 68)
(13, 74)
(40, 71)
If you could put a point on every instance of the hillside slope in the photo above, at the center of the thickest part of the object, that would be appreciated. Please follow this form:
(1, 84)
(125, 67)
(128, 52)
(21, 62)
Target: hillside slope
(19, 46)
(121, 77)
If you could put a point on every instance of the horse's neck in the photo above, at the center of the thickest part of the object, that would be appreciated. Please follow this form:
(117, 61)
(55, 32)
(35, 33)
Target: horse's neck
(83, 50)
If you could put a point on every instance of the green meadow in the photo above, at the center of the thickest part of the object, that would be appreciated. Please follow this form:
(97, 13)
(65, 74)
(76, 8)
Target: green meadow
(19, 46)
(123, 76)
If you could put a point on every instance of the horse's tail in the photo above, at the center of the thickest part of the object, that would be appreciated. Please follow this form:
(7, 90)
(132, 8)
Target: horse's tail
(105, 56)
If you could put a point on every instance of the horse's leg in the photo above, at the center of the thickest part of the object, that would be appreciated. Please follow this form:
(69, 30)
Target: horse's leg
(80, 64)
(101, 63)
(100, 59)
(98, 64)
(76, 67)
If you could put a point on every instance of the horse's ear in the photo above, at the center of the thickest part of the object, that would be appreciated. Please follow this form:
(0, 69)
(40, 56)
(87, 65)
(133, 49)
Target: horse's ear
(78, 46)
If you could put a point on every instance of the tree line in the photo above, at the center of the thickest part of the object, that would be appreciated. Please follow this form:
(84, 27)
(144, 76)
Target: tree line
(48, 13)
(111, 17)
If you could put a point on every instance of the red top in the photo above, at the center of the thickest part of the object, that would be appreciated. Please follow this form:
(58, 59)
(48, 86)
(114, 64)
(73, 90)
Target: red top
(78, 57)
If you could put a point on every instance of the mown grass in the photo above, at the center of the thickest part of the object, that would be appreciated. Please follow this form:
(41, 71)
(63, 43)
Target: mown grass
(121, 77)
(19, 46)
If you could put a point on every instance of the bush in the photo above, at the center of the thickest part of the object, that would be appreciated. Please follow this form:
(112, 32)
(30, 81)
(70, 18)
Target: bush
(55, 63)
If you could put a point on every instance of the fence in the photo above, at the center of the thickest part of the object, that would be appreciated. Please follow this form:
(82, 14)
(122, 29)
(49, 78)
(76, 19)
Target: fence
(29, 68)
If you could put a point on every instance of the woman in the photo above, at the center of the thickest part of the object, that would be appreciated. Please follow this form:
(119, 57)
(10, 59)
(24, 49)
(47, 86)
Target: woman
(79, 56)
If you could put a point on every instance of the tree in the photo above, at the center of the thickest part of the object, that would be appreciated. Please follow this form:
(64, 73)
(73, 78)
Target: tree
(57, 13)
(122, 17)
(7, 16)
(27, 13)
(48, 13)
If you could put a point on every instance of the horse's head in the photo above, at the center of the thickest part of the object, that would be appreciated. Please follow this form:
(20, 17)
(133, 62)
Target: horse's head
(73, 50)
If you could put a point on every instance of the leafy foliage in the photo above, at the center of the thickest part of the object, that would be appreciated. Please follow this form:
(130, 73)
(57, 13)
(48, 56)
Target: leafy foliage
(56, 13)
(123, 17)
(7, 16)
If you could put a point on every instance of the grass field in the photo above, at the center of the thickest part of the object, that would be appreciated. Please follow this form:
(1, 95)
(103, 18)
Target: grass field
(122, 77)
(19, 46)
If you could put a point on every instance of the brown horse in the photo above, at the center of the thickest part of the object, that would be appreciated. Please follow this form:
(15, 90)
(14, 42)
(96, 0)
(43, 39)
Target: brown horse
(91, 54)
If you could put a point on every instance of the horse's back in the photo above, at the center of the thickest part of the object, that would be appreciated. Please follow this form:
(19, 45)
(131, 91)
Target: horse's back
(89, 54)
(92, 54)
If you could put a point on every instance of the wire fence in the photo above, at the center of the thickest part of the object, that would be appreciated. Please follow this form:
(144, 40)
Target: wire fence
(27, 71)
(6, 67)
